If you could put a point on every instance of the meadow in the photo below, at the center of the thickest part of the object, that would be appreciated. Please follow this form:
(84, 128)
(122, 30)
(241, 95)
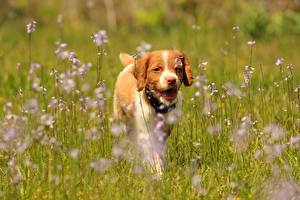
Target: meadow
(237, 136)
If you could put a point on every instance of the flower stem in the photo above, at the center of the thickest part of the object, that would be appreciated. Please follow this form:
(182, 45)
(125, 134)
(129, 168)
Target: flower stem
(99, 64)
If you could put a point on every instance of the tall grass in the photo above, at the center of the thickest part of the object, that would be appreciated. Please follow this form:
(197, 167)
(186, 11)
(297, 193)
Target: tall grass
(238, 136)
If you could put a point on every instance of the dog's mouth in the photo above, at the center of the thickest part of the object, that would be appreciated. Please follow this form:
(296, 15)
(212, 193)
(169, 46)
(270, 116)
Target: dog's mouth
(169, 94)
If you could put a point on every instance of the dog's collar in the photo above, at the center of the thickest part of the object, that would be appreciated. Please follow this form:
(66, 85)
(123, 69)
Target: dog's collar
(156, 104)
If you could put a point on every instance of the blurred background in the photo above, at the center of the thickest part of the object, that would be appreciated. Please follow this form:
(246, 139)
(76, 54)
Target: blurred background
(216, 31)
(257, 18)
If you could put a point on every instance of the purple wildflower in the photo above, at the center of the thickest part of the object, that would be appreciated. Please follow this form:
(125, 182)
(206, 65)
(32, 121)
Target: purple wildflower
(100, 38)
(101, 165)
(279, 61)
(31, 27)
(143, 48)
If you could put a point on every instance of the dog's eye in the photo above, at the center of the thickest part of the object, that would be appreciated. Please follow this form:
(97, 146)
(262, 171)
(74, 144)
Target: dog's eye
(156, 69)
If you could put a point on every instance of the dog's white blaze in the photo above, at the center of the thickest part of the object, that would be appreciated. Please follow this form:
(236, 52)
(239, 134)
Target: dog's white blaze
(165, 57)
(166, 72)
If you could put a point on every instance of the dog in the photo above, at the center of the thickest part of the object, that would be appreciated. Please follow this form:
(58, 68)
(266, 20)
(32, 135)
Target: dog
(146, 91)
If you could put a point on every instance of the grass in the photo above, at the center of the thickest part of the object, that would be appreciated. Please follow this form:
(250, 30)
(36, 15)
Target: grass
(225, 146)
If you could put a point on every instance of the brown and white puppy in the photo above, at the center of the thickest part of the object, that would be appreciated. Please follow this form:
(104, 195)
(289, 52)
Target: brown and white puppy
(145, 88)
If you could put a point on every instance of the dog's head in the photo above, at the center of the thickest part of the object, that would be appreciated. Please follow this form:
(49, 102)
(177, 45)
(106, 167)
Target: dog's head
(163, 72)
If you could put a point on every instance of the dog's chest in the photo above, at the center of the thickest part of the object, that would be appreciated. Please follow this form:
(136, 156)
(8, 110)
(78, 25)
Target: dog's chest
(146, 119)
(144, 114)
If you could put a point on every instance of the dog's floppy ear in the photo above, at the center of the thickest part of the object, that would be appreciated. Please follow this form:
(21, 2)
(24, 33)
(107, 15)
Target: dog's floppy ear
(141, 71)
(126, 59)
(187, 75)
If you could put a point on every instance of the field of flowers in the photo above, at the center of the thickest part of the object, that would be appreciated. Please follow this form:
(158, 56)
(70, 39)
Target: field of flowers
(237, 137)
